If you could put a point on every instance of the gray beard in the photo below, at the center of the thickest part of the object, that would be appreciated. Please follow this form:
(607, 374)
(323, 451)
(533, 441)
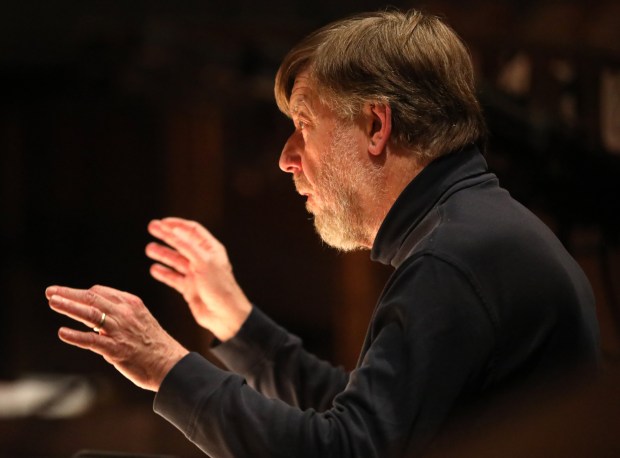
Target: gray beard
(342, 225)
(343, 222)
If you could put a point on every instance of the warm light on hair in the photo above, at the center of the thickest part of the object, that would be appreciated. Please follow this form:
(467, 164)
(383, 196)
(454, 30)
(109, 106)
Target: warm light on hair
(411, 61)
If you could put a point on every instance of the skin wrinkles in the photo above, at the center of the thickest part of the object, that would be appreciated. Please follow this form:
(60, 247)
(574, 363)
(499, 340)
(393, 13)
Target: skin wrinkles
(323, 154)
(351, 175)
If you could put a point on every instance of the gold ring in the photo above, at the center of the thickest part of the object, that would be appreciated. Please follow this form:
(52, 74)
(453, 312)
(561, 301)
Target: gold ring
(101, 323)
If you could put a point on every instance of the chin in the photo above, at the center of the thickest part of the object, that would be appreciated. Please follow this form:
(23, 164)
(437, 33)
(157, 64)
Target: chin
(335, 238)
(345, 246)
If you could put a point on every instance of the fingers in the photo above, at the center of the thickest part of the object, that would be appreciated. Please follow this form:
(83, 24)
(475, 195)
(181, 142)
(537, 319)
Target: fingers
(114, 296)
(167, 225)
(97, 343)
(86, 340)
(189, 238)
(88, 305)
(129, 338)
(194, 231)
(167, 256)
(168, 277)
(82, 296)
(89, 315)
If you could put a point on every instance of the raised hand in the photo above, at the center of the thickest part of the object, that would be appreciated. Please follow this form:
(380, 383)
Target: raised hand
(196, 264)
(127, 335)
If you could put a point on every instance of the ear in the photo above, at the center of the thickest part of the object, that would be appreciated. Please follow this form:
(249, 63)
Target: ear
(378, 126)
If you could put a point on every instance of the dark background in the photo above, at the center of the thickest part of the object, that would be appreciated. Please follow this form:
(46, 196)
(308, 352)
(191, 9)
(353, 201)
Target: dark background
(116, 112)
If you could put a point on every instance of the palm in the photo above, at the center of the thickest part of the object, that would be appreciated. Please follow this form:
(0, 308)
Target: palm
(196, 265)
(193, 291)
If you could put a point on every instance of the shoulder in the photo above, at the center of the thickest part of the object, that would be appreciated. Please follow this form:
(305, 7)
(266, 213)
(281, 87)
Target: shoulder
(432, 288)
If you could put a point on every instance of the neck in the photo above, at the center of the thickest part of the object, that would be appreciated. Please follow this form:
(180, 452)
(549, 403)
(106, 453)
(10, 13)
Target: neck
(399, 168)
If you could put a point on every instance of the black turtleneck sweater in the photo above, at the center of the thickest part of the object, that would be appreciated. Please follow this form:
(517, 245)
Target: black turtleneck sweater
(483, 298)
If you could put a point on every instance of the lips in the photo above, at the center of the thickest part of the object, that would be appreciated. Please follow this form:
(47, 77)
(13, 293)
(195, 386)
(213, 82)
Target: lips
(308, 197)
(300, 187)
(303, 188)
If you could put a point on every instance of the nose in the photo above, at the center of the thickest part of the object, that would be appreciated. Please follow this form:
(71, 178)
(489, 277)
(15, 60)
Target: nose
(290, 158)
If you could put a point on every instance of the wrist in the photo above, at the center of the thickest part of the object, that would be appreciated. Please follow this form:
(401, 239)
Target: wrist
(174, 355)
(235, 322)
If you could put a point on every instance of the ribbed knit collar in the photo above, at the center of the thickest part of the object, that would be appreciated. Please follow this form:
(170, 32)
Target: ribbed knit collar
(420, 196)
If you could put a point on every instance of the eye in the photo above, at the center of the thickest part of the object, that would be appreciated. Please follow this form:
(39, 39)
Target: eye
(301, 124)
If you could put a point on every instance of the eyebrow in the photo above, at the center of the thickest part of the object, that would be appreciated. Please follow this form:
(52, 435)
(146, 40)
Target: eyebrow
(296, 105)
(300, 104)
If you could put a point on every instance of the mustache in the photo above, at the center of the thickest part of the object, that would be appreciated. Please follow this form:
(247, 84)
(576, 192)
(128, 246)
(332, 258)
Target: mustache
(301, 183)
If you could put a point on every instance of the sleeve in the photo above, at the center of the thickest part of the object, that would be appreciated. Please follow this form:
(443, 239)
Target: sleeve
(275, 363)
(428, 341)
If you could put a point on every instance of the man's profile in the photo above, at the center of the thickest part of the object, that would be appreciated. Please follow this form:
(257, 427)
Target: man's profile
(386, 149)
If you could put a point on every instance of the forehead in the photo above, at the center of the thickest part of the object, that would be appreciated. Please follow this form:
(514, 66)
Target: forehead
(303, 93)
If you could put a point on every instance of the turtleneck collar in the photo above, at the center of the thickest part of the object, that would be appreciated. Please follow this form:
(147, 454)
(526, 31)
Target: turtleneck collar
(436, 180)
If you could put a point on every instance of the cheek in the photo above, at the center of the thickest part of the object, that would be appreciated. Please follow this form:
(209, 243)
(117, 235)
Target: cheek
(317, 148)
(311, 162)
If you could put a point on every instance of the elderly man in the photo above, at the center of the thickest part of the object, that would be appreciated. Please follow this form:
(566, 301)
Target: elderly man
(483, 297)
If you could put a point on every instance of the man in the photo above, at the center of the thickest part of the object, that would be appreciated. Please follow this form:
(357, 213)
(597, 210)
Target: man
(483, 297)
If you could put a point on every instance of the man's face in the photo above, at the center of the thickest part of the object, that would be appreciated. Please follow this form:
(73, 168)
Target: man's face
(329, 165)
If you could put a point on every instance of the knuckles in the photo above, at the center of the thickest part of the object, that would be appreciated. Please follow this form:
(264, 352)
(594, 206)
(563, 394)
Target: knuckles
(90, 298)
(135, 302)
(95, 316)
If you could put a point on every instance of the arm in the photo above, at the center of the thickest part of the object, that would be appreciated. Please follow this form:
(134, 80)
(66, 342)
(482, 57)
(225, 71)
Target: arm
(224, 417)
(127, 335)
(214, 408)
(423, 357)
(429, 345)
(197, 266)
(274, 362)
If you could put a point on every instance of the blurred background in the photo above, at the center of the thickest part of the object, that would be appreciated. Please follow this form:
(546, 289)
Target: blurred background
(113, 113)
